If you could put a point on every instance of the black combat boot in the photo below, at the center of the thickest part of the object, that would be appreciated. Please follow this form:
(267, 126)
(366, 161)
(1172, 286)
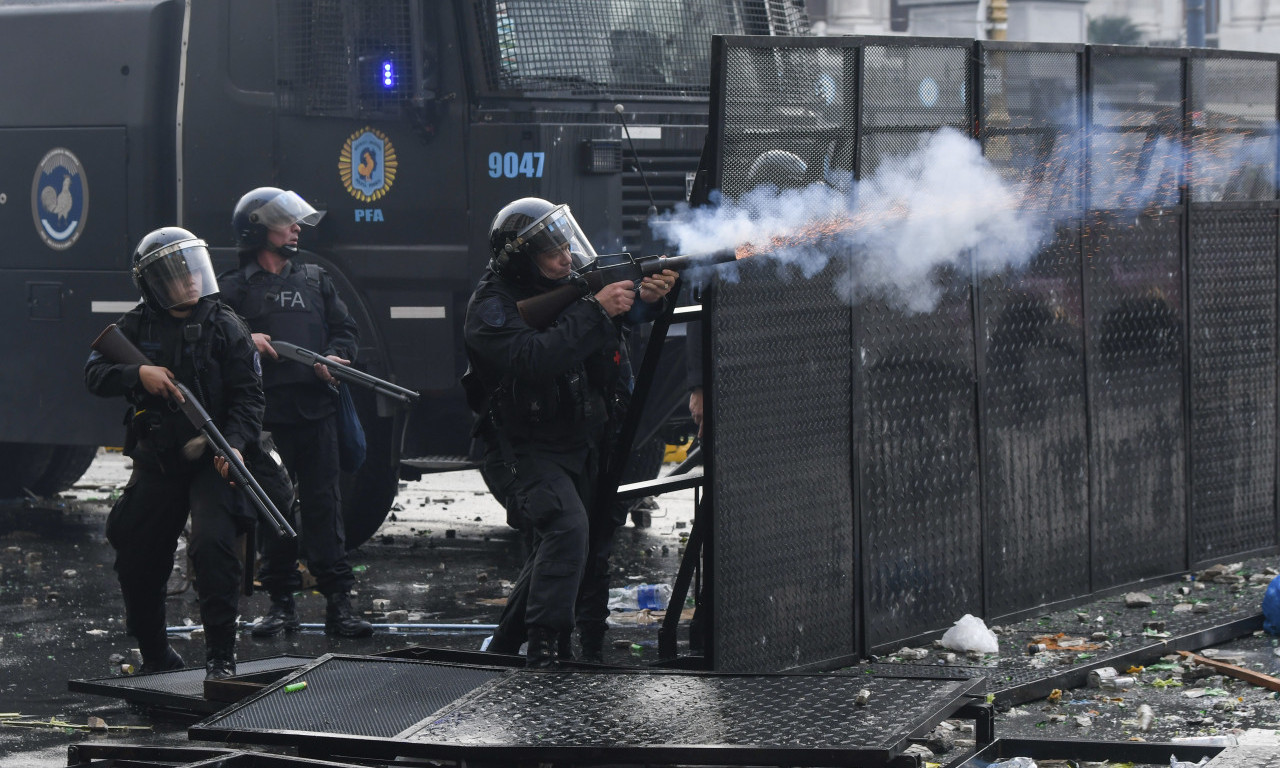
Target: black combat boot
(164, 661)
(541, 653)
(340, 620)
(220, 657)
(564, 646)
(592, 644)
(281, 617)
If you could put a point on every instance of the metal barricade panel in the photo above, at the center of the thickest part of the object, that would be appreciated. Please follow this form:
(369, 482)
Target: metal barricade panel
(380, 708)
(1134, 322)
(1035, 447)
(919, 465)
(1031, 340)
(1233, 381)
(794, 712)
(783, 530)
(356, 696)
(783, 555)
(180, 688)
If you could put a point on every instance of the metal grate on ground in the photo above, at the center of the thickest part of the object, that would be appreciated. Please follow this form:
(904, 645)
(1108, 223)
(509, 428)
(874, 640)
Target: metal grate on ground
(380, 708)
(180, 689)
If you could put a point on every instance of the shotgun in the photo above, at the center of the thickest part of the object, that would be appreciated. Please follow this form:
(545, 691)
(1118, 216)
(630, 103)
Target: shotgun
(116, 347)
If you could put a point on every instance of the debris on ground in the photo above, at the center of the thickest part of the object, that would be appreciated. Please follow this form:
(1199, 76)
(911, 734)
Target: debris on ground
(970, 633)
(92, 724)
(1240, 673)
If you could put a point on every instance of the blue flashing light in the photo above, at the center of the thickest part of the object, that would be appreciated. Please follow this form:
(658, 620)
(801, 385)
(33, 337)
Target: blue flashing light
(388, 74)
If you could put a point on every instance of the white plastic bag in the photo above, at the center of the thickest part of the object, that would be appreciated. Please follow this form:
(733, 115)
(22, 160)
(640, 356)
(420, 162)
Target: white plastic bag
(971, 634)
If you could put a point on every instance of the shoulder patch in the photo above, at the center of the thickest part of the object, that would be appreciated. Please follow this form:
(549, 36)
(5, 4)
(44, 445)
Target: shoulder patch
(492, 313)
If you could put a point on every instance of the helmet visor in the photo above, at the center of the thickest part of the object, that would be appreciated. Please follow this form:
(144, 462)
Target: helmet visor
(284, 210)
(557, 230)
(179, 274)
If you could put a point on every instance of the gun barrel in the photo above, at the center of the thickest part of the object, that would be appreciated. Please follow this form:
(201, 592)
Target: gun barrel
(693, 260)
(199, 417)
(344, 372)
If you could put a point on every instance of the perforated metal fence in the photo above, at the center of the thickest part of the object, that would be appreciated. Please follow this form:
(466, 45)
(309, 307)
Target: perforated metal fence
(1100, 414)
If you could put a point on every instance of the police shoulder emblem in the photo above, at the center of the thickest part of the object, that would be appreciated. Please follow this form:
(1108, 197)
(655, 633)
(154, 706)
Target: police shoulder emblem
(59, 199)
(367, 164)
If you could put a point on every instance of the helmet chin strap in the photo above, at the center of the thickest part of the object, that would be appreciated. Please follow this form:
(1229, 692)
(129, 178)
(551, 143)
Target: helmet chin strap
(287, 251)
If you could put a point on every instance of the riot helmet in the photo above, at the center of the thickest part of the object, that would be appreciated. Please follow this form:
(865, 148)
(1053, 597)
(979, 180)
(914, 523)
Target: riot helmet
(531, 226)
(172, 269)
(267, 208)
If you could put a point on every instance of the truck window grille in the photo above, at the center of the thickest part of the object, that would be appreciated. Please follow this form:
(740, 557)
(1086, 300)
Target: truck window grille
(343, 58)
(601, 47)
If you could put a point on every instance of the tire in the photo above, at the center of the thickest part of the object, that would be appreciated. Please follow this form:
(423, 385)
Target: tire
(67, 465)
(367, 495)
(22, 465)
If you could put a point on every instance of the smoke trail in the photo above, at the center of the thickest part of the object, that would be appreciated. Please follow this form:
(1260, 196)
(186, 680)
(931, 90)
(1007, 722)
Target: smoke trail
(933, 208)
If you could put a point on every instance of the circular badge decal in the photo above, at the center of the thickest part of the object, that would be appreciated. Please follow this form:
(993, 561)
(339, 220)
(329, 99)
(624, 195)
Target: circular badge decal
(367, 164)
(60, 199)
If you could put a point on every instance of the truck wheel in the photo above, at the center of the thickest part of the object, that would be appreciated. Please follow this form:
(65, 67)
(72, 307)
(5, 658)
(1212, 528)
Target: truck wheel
(22, 465)
(67, 465)
(367, 495)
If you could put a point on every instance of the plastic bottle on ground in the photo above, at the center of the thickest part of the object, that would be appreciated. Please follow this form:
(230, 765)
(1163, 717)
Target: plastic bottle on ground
(638, 597)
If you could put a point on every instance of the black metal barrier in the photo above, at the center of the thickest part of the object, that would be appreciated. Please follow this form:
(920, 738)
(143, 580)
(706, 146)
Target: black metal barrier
(882, 460)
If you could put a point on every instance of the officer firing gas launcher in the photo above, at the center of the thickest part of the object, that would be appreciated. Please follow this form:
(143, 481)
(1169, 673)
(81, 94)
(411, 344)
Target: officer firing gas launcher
(116, 347)
(345, 372)
(542, 310)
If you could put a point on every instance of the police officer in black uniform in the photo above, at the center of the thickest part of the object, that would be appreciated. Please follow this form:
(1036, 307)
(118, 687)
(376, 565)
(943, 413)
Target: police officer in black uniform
(283, 299)
(191, 337)
(545, 400)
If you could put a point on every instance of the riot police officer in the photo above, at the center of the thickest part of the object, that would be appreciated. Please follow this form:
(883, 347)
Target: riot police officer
(190, 337)
(545, 401)
(281, 298)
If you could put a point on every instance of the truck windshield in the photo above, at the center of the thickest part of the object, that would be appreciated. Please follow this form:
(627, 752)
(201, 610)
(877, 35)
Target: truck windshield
(638, 47)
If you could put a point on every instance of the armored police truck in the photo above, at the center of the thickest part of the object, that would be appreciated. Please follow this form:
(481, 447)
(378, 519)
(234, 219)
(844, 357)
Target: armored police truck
(410, 122)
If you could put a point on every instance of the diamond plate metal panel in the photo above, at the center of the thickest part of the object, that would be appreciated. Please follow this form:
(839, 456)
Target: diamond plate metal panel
(1134, 327)
(1035, 447)
(355, 696)
(179, 688)
(1233, 381)
(919, 465)
(793, 712)
(1233, 129)
(783, 527)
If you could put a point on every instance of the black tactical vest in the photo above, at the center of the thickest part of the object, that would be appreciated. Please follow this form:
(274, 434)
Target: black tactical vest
(289, 308)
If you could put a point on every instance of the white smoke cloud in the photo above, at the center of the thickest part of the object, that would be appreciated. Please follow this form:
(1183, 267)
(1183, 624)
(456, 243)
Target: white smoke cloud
(939, 206)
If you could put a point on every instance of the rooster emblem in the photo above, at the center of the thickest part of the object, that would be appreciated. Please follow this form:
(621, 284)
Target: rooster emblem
(58, 203)
(368, 164)
(59, 198)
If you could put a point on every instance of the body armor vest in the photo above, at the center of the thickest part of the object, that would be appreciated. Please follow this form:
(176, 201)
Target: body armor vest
(289, 309)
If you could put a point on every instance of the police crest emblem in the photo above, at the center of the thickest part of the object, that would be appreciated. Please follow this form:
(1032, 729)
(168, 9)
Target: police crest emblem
(59, 198)
(367, 164)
